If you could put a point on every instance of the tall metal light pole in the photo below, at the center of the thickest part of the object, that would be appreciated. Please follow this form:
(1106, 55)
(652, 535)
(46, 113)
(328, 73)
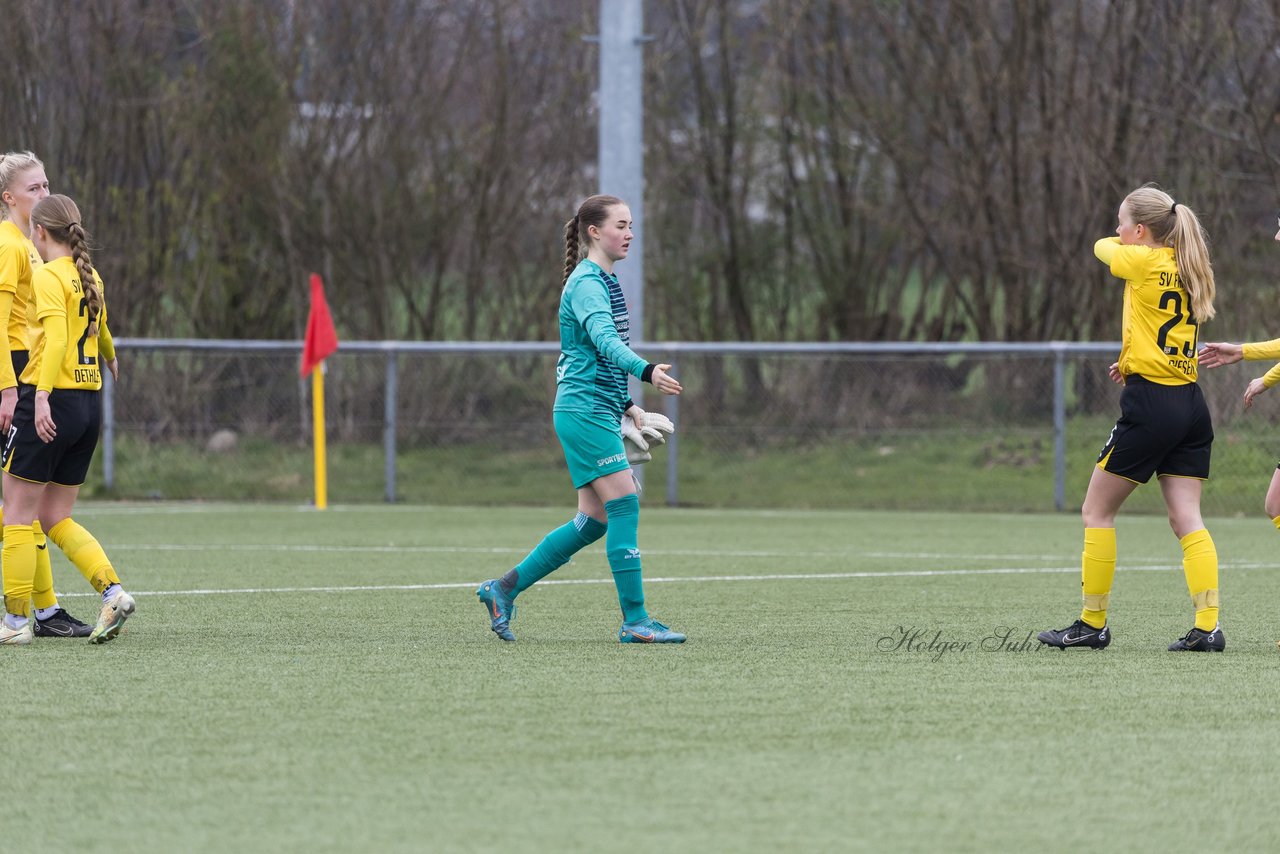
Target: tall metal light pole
(621, 148)
(621, 154)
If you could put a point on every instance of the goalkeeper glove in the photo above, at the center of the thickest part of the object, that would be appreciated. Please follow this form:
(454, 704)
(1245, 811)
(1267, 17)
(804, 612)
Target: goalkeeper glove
(659, 424)
(641, 430)
(633, 440)
(635, 456)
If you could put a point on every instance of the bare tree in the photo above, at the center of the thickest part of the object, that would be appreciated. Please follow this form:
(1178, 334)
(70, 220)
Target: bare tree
(818, 169)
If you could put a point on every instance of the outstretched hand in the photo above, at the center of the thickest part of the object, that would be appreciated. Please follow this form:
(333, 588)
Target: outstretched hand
(663, 381)
(1219, 354)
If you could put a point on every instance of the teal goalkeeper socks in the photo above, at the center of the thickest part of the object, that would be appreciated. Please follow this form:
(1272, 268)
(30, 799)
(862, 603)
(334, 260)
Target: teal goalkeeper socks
(552, 553)
(624, 556)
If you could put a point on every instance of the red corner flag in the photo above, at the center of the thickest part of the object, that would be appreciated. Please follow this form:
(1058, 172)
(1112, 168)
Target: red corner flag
(322, 338)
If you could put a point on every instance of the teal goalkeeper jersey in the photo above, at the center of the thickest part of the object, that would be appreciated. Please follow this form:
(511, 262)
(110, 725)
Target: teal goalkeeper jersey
(591, 375)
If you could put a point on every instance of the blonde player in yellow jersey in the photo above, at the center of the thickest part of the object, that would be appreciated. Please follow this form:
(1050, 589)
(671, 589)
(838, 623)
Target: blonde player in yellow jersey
(22, 184)
(1164, 427)
(56, 423)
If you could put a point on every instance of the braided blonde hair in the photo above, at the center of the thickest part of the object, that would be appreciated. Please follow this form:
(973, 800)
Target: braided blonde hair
(60, 217)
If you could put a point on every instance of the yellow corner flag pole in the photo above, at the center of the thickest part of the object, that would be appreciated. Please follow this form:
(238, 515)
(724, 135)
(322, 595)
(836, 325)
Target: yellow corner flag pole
(317, 421)
(321, 342)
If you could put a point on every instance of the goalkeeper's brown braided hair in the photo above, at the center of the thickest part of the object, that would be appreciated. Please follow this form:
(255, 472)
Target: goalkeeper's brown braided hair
(576, 241)
(60, 217)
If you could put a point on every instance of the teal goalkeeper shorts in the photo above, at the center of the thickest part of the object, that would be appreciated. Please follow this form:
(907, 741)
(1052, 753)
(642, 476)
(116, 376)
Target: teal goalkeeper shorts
(592, 445)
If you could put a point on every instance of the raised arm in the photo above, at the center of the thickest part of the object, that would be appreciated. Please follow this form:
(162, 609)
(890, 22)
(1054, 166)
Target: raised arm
(1106, 249)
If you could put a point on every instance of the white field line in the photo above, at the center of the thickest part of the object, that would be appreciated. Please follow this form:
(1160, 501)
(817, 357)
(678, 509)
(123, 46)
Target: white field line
(306, 547)
(799, 576)
(161, 507)
(181, 507)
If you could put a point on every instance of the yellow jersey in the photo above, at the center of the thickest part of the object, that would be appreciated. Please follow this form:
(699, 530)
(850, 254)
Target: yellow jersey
(18, 258)
(56, 293)
(1158, 340)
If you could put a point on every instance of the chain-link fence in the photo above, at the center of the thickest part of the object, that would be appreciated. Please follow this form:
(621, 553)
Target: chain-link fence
(905, 426)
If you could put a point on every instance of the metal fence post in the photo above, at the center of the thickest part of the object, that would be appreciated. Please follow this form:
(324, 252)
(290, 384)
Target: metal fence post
(1059, 429)
(108, 431)
(390, 408)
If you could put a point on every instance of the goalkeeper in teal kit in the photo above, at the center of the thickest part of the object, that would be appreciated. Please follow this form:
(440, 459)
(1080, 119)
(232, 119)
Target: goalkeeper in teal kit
(592, 411)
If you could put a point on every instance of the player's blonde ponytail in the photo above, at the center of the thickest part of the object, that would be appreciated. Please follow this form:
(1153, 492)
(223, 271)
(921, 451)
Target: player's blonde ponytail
(60, 217)
(1174, 224)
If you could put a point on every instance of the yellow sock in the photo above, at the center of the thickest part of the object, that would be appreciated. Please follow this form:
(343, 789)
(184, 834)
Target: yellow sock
(1200, 563)
(83, 550)
(42, 595)
(1276, 521)
(1097, 569)
(19, 558)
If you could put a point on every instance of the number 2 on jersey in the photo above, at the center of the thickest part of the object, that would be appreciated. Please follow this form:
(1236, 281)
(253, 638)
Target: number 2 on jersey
(85, 360)
(1162, 340)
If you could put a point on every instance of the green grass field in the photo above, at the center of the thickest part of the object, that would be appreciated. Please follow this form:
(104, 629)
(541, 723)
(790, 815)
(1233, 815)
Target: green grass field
(305, 681)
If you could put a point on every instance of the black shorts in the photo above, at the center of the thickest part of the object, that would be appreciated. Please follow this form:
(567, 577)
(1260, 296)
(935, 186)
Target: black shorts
(77, 415)
(1163, 430)
(20, 359)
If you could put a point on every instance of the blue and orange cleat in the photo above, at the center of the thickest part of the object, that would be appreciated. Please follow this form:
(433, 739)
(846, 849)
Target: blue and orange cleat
(648, 630)
(501, 608)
